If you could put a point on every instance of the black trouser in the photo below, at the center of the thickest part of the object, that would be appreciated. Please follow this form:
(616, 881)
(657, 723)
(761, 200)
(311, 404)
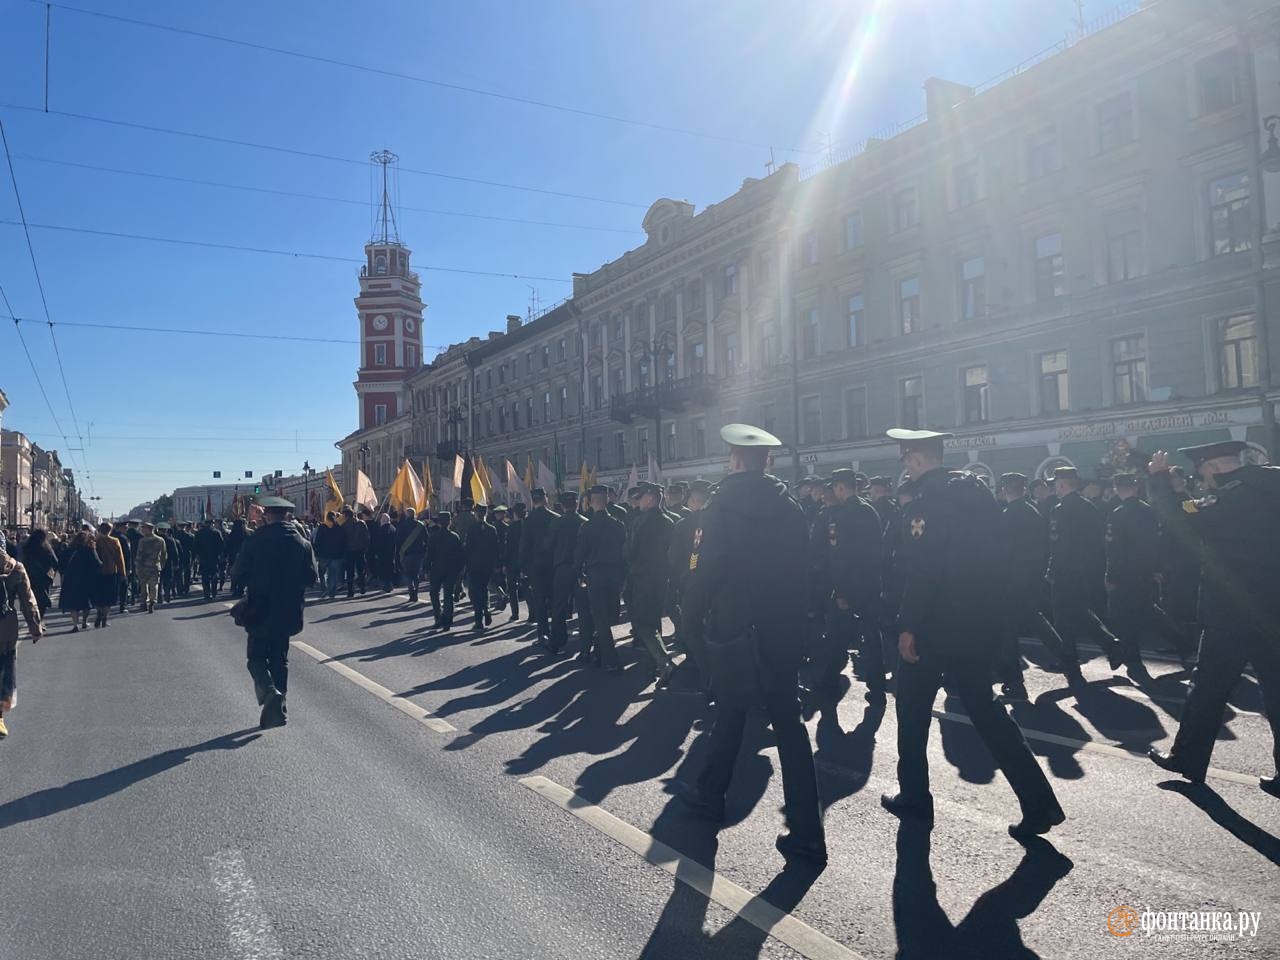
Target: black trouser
(125, 585)
(513, 590)
(1223, 656)
(1075, 617)
(411, 566)
(478, 590)
(42, 598)
(268, 665)
(604, 592)
(563, 587)
(209, 578)
(970, 680)
(540, 599)
(354, 571)
(1130, 614)
(781, 703)
(1024, 618)
(442, 586)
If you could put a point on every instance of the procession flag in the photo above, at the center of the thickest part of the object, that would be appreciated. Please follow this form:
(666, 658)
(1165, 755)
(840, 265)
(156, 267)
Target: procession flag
(497, 489)
(483, 473)
(428, 489)
(528, 473)
(448, 493)
(546, 479)
(633, 479)
(584, 478)
(517, 486)
(459, 468)
(655, 472)
(477, 488)
(364, 491)
(593, 476)
(334, 501)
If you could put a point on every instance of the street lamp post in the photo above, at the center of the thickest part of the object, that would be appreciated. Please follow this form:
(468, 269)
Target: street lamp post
(306, 487)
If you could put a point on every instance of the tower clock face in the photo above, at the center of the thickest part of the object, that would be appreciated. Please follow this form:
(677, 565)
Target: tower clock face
(379, 322)
(410, 326)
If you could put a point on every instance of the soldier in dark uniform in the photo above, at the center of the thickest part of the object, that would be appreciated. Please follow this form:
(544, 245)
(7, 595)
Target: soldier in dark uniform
(445, 559)
(647, 559)
(885, 504)
(120, 532)
(1180, 578)
(186, 545)
(1237, 522)
(535, 560)
(682, 536)
(563, 541)
(511, 547)
(208, 547)
(853, 556)
(600, 558)
(134, 535)
(745, 590)
(1077, 570)
(617, 510)
(950, 633)
(1133, 563)
(1024, 539)
(676, 493)
(276, 566)
(481, 549)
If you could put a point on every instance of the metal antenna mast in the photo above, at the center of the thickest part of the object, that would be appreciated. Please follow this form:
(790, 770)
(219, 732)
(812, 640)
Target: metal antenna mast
(386, 230)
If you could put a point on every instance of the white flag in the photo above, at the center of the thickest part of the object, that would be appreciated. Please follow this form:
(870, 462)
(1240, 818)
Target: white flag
(655, 472)
(459, 467)
(498, 490)
(633, 479)
(515, 484)
(364, 491)
(546, 479)
(448, 493)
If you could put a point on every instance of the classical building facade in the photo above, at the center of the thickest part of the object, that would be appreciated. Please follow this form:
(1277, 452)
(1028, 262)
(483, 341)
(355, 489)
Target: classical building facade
(1068, 265)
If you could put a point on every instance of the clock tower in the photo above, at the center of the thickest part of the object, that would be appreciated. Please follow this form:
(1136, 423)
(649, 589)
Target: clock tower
(390, 311)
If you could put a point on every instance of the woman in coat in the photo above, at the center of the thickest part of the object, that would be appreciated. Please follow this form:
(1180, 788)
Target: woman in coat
(41, 564)
(382, 549)
(15, 596)
(106, 585)
(79, 577)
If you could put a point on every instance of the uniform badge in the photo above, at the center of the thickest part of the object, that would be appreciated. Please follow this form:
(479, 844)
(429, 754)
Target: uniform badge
(832, 538)
(917, 528)
(1053, 529)
(693, 561)
(697, 538)
(1108, 533)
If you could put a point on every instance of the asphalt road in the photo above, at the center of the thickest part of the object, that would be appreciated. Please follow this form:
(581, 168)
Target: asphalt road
(142, 814)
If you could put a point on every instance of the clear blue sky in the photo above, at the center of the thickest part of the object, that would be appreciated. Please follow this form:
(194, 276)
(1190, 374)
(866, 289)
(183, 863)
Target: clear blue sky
(167, 410)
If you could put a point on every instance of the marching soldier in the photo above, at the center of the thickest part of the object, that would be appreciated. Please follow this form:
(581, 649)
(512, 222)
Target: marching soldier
(600, 556)
(676, 493)
(1024, 537)
(563, 541)
(445, 559)
(535, 560)
(647, 577)
(1237, 523)
(950, 630)
(208, 548)
(511, 543)
(682, 536)
(482, 552)
(276, 566)
(1077, 569)
(745, 591)
(1133, 562)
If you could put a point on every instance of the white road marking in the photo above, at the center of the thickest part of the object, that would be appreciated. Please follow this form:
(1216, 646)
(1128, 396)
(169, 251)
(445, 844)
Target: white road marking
(249, 930)
(1106, 749)
(408, 707)
(795, 933)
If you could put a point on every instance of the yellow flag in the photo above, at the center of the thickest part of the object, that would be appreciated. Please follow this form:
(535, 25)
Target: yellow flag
(528, 473)
(477, 488)
(486, 482)
(334, 501)
(593, 477)
(401, 493)
(428, 489)
(583, 479)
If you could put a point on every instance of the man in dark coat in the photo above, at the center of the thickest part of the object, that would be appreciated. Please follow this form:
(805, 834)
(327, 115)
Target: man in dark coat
(209, 547)
(482, 552)
(600, 556)
(355, 532)
(121, 533)
(133, 534)
(745, 591)
(235, 540)
(1237, 523)
(411, 548)
(1077, 569)
(1024, 541)
(276, 565)
(1180, 578)
(682, 536)
(187, 546)
(1133, 565)
(445, 560)
(853, 560)
(562, 541)
(647, 560)
(950, 633)
(512, 543)
(536, 562)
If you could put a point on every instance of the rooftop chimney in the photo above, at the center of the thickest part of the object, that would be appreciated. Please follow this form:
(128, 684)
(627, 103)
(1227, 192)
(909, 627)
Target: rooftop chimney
(513, 323)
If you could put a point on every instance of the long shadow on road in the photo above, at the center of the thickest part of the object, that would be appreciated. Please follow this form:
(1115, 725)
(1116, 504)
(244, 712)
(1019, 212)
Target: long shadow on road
(44, 803)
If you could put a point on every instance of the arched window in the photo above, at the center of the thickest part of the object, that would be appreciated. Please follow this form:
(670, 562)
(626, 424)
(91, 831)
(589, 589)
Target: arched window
(380, 264)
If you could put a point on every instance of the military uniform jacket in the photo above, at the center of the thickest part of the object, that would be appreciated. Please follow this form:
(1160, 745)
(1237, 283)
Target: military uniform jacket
(276, 565)
(150, 556)
(1238, 525)
(648, 547)
(562, 538)
(1133, 543)
(747, 569)
(601, 548)
(535, 540)
(512, 537)
(482, 547)
(678, 553)
(1024, 535)
(445, 554)
(208, 546)
(950, 553)
(854, 554)
(1077, 546)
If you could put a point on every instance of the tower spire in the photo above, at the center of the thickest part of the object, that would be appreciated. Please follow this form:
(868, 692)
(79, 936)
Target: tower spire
(385, 229)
